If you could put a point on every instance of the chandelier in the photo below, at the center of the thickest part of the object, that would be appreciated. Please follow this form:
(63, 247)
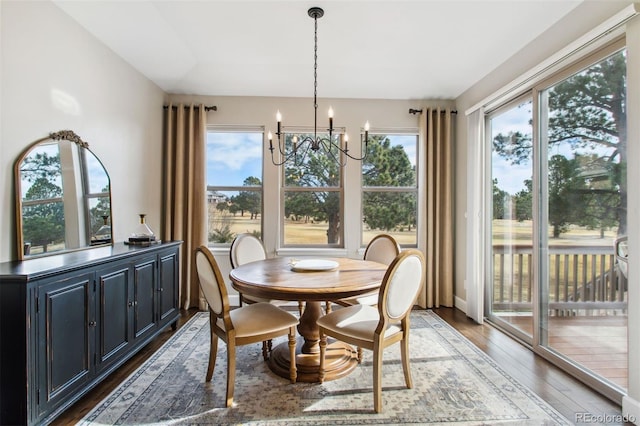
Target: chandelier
(297, 150)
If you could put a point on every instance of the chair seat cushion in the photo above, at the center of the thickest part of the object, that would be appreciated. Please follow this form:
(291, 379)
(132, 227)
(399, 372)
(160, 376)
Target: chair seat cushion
(259, 318)
(358, 322)
(369, 299)
(254, 299)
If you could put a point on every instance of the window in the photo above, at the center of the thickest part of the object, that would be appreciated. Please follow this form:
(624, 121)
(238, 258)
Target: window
(389, 188)
(234, 183)
(313, 195)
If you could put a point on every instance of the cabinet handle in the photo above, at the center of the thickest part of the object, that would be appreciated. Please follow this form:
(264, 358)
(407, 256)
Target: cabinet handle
(92, 323)
(161, 289)
(130, 304)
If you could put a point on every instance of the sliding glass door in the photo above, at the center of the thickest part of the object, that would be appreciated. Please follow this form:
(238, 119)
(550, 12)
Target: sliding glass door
(558, 263)
(510, 294)
(583, 307)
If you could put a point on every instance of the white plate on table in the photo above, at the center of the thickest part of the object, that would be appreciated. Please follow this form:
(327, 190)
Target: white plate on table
(307, 265)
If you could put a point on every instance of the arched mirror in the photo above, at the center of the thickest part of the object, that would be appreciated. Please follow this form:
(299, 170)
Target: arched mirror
(63, 197)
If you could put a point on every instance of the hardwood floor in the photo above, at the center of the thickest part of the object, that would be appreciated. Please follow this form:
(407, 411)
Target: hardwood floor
(575, 401)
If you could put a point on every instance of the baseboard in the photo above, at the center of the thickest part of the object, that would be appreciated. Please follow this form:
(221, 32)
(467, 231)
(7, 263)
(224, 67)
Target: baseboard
(631, 410)
(460, 304)
(234, 300)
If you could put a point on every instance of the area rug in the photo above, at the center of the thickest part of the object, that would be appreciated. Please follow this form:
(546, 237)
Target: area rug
(454, 384)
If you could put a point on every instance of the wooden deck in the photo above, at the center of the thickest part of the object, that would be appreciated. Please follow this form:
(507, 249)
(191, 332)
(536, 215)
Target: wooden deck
(599, 343)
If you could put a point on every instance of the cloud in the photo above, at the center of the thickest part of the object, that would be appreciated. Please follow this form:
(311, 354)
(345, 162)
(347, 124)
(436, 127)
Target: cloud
(233, 151)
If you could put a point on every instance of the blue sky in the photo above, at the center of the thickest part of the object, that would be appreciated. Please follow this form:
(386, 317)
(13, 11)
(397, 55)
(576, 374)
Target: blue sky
(511, 177)
(232, 157)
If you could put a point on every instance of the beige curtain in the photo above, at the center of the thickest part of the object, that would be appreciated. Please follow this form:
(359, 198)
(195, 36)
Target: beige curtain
(185, 216)
(436, 135)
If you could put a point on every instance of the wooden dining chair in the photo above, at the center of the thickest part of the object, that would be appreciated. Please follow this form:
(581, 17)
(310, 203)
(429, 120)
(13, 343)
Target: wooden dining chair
(253, 323)
(388, 323)
(383, 248)
(247, 248)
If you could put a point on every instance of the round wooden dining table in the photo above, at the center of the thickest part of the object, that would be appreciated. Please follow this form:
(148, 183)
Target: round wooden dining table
(279, 279)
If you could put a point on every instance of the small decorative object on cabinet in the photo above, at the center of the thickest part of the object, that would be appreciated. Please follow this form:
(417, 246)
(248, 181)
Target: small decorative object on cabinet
(68, 320)
(143, 235)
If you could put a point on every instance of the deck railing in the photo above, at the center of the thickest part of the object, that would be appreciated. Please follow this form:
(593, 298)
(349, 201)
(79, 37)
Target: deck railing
(583, 280)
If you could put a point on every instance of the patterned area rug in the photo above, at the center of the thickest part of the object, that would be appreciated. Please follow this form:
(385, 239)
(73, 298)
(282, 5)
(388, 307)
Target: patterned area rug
(454, 384)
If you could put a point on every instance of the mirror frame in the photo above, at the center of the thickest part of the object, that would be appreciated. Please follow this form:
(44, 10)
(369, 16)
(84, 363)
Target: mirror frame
(67, 135)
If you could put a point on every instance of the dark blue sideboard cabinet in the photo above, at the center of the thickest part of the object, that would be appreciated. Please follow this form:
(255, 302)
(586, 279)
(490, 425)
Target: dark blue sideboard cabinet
(68, 320)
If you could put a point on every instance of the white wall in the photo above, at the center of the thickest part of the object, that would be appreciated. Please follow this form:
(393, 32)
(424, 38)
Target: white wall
(56, 76)
(581, 20)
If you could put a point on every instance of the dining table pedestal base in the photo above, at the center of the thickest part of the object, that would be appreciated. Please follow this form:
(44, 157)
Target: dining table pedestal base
(340, 360)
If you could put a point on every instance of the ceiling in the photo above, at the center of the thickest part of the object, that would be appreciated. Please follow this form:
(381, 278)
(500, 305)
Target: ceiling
(401, 49)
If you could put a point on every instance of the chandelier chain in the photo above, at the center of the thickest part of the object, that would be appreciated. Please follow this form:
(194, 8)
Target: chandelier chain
(315, 63)
(315, 76)
(328, 145)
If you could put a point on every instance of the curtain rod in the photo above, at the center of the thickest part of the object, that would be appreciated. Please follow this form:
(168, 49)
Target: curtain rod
(206, 108)
(419, 111)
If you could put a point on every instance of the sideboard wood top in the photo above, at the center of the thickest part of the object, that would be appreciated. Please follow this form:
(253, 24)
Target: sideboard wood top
(40, 267)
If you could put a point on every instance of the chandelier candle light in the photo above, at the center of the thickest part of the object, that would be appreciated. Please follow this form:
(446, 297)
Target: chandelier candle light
(314, 143)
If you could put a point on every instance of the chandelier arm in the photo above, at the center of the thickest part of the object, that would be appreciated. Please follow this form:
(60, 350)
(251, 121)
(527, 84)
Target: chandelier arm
(307, 139)
(285, 158)
(281, 146)
(364, 156)
(327, 145)
(283, 153)
(346, 151)
(299, 161)
(276, 163)
(364, 148)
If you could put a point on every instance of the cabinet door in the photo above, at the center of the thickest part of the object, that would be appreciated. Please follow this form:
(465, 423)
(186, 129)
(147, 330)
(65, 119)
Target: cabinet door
(65, 336)
(144, 288)
(114, 303)
(168, 284)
